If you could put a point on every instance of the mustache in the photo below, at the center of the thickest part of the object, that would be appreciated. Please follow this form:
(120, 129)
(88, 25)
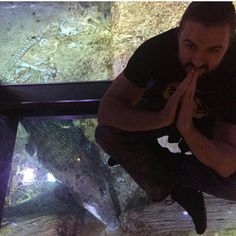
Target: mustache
(190, 64)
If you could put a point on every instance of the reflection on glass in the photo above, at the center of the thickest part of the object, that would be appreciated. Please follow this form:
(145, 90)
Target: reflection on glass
(47, 42)
(58, 169)
(61, 183)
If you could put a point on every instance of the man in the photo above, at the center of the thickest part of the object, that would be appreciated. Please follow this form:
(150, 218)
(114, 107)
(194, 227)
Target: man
(179, 85)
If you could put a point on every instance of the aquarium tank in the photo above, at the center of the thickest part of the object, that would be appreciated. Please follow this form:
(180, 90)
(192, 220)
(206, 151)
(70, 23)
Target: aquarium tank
(60, 181)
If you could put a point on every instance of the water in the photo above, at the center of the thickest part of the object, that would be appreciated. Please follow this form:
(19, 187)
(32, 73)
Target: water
(46, 42)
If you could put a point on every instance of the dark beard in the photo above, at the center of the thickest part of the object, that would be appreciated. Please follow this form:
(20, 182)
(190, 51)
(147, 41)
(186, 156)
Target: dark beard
(190, 66)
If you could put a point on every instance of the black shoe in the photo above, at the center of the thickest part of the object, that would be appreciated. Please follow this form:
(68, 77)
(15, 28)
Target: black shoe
(111, 162)
(193, 202)
(159, 193)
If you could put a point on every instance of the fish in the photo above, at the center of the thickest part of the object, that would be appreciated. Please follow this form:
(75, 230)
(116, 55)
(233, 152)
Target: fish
(65, 151)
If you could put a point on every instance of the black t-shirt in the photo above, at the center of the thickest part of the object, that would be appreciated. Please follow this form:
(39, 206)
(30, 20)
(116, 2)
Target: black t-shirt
(155, 66)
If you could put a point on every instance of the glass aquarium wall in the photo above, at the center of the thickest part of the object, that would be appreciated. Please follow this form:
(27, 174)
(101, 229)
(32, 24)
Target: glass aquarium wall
(48, 42)
(61, 184)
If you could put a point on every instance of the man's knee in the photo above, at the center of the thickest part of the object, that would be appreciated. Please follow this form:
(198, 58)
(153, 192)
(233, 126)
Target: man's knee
(105, 137)
(102, 134)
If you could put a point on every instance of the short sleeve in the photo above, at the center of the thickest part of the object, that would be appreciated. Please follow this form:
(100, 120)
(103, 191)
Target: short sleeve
(139, 69)
(152, 58)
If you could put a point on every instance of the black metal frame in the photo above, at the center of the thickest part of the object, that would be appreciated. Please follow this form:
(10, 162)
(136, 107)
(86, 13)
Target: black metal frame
(63, 100)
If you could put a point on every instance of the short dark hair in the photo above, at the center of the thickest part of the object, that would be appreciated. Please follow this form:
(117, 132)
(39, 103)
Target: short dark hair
(211, 14)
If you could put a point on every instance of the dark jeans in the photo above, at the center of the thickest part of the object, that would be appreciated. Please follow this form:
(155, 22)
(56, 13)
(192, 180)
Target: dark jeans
(151, 165)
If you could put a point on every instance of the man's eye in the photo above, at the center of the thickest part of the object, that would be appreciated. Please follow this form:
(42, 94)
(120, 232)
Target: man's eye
(213, 50)
(190, 46)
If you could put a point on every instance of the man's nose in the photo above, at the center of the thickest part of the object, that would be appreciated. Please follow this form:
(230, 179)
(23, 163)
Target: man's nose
(198, 59)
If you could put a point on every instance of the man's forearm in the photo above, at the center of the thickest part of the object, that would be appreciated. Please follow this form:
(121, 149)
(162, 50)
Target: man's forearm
(124, 117)
(218, 155)
(117, 107)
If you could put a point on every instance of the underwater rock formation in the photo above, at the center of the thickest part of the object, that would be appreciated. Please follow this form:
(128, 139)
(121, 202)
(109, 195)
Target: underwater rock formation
(64, 150)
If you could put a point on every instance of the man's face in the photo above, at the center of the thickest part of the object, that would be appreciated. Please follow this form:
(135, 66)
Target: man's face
(202, 47)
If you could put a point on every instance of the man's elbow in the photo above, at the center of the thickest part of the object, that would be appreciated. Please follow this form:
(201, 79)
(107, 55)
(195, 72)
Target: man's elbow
(103, 113)
(225, 174)
(105, 117)
(225, 171)
(102, 119)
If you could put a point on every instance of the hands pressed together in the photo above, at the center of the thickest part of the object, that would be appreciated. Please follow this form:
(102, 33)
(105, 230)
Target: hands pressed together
(180, 106)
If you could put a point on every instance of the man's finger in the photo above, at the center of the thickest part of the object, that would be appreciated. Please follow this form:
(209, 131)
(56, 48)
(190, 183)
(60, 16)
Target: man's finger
(186, 83)
(193, 83)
